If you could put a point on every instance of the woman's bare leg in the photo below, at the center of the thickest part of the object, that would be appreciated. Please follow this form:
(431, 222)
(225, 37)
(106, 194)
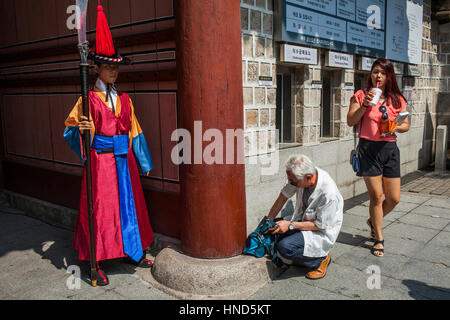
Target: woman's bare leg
(375, 188)
(392, 194)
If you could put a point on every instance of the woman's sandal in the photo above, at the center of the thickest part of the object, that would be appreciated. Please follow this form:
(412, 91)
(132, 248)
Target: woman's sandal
(372, 230)
(373, 250)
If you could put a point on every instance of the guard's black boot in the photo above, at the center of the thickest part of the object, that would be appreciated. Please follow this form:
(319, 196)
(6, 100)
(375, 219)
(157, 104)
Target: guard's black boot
(143, 263)
(102, 278)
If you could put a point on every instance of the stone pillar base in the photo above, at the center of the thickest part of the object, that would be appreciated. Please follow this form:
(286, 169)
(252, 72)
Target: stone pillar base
(440, 163)
(185, 277)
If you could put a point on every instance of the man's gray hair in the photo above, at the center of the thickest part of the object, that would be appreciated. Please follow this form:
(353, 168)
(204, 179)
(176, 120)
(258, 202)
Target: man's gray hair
(300, 166)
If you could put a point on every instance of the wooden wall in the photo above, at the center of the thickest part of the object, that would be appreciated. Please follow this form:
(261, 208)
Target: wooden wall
(39, 84)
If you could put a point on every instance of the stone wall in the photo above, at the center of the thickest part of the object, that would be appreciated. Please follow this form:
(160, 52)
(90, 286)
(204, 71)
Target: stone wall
(425, 93)
(331, 154)
(258, 60)
(306, 105)
(443, 98)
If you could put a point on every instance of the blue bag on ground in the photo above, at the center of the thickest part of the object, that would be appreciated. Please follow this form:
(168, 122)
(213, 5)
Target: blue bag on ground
(261, 241)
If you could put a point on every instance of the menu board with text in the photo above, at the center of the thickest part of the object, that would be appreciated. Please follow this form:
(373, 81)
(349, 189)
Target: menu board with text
(376, 28)
(404, 23)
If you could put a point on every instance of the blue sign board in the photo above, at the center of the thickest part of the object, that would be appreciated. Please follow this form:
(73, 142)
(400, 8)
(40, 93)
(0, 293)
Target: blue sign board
(354, 26)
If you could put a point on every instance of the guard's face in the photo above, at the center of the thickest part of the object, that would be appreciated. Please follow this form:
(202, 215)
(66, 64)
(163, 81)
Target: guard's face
(108, 73)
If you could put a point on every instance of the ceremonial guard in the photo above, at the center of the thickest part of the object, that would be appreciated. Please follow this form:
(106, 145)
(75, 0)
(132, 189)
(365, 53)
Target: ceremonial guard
(121, 226)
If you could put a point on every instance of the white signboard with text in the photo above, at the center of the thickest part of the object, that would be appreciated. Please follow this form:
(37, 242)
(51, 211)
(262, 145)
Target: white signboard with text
(366, 63)
(297, 54)
(340, 60)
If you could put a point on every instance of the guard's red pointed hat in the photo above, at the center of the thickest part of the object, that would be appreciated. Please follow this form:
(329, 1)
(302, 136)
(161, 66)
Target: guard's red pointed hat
(104, 50)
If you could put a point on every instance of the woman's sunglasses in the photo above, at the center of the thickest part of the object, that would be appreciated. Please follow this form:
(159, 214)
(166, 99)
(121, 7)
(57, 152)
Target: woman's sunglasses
(384, 112)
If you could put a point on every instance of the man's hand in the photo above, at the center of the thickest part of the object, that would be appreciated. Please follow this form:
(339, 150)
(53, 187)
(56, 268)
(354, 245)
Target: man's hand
(147, 173)
(282, 226)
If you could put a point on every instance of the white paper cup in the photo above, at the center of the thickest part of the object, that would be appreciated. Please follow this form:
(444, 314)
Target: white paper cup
(377, 96)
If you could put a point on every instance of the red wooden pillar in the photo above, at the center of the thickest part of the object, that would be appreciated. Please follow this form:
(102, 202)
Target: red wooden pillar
(209, 79)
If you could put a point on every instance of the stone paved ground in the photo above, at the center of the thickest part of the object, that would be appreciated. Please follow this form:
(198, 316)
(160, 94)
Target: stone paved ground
(416, 264)
(34, 257)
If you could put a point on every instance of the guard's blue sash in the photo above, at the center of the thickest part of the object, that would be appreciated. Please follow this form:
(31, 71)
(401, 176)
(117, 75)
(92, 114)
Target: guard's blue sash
(131, 238)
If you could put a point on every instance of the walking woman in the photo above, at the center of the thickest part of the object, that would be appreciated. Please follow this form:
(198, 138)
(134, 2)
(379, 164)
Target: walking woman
(379, 154)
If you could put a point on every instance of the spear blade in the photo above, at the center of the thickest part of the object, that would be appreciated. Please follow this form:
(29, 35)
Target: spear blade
(81, 12)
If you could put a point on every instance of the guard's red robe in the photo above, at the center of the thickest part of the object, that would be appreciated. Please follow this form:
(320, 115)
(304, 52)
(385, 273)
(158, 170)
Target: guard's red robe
(107, 220)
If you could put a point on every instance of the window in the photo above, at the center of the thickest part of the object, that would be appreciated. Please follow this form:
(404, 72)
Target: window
(284, 106)
(326, 117)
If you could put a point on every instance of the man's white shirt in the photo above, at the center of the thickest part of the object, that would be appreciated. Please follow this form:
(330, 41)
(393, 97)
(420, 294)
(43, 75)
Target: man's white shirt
(325, 208)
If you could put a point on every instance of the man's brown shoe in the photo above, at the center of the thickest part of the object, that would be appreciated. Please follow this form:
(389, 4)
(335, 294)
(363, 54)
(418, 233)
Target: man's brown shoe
(320, 272)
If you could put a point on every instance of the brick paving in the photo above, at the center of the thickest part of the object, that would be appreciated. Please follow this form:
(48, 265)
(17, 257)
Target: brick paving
(436, 184)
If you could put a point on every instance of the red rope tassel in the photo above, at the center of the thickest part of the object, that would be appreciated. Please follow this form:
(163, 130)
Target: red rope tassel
(103, 42)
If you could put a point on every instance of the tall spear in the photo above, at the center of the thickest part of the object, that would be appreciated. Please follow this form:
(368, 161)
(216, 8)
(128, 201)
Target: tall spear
(83, 47)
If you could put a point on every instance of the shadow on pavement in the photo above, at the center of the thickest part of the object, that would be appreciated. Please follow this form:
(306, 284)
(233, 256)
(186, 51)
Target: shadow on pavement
(420, 290)
(351, 239)
(20, 234)
(24, 233)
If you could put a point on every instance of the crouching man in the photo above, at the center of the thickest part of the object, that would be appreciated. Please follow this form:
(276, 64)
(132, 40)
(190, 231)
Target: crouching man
(307, 236)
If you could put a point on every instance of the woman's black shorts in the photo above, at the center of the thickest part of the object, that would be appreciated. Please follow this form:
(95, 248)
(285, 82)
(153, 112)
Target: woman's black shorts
(379, 158)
